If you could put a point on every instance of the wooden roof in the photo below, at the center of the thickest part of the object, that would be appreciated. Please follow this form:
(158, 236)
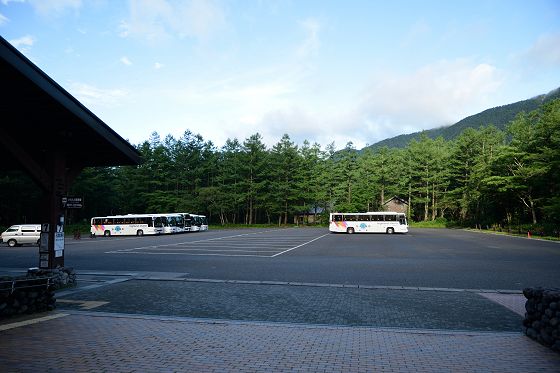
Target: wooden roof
(38, 117)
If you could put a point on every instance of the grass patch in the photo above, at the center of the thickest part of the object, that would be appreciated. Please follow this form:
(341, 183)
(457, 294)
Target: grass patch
(438, 223)
(504, 233)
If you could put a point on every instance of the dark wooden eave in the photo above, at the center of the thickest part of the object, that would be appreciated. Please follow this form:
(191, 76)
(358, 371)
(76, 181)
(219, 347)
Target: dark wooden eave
(38, 118)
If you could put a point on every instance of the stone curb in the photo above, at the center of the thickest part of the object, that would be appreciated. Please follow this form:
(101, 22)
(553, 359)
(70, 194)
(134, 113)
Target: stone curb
(311, 284)
(209, 321)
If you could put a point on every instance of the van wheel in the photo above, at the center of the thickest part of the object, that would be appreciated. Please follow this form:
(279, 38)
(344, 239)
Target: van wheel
(390, 230)
(107, 233)
(350, 230)
(12, 243)
(139, 232)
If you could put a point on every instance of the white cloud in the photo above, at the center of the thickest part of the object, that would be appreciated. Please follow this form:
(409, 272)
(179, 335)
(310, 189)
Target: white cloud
(545, 51)
(23, 43)
(311, 43)
(200, 18)
(3, 19)
(158, 65)
(124, 60)
(417, 31)
(55, 8)
(92, 96)
(434, 95)
(6, 2)
(156, 20)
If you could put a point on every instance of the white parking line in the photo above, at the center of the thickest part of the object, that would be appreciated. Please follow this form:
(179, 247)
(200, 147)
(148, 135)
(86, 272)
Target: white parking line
(250, 243)
(191, 254)
(239, 244)
(216, 249)
(186, 242)
(303, 244)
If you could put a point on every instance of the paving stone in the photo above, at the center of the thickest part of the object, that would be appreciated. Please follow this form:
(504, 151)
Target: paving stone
(119, 343)
(305, 304)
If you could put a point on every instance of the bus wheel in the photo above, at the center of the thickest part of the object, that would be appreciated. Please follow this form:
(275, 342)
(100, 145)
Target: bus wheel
(107, 233)
(139, 232)
(350, 230)
(390, 230)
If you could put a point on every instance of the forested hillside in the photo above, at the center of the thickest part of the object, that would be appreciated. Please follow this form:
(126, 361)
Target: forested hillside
(499, 117)
(484, 176)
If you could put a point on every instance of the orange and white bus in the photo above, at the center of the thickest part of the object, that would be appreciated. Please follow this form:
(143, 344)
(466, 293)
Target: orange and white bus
(126, 225)
(368, 222)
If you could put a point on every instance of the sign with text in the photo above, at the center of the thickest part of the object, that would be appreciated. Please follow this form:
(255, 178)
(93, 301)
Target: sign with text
(72, 202)
(58, 244)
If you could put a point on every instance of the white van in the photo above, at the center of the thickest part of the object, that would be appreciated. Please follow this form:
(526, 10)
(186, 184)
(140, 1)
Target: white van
(20, 234)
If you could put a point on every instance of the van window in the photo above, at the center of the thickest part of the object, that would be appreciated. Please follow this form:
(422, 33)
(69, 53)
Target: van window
(12, 229)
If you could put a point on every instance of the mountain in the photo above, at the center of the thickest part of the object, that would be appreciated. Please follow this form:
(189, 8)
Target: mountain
(499, 116)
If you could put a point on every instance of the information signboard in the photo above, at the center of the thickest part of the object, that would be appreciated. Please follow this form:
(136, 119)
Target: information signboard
(58, 244)
(72, 202)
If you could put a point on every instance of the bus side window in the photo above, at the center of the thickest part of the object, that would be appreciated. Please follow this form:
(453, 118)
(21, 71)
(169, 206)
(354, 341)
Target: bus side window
(390, 217)
(337, 217)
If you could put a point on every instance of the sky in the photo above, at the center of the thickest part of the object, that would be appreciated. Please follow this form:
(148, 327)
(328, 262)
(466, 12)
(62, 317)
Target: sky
(323, 71)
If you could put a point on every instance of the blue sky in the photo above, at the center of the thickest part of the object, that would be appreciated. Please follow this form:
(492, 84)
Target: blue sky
(324, 71)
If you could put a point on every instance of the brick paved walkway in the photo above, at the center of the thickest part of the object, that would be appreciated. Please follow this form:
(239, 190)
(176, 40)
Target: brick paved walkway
(101, 342)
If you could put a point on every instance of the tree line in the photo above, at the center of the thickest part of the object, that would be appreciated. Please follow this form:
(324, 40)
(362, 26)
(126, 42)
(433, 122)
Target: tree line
(483, 177)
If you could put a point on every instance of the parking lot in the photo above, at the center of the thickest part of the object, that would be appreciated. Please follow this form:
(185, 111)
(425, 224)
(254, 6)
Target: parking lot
(265, 243)
(428, 258)
(438, 293)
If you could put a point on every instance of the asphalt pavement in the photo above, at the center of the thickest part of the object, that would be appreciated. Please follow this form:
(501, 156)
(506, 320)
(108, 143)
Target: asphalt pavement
(287, 300)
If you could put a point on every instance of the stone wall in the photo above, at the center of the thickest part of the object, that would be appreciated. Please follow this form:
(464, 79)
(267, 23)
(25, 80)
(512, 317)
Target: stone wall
(542, 320)
(24, 295)
(61, 277)
(34, 292)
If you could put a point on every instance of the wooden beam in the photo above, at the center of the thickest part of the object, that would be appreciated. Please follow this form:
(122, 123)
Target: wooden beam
(32, 167)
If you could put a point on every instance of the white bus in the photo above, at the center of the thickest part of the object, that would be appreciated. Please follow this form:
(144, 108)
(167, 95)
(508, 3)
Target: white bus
(368, 222)
(170, 222)
(187, 221)
(178, 220)
(126, 225)
(203, 222)
(199, 223)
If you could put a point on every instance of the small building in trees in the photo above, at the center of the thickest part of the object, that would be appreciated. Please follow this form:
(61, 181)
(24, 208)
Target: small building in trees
(395, 204)
(310, 216)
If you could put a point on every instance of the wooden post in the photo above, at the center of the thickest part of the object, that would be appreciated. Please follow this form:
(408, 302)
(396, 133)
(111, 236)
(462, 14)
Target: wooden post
(55, 213)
